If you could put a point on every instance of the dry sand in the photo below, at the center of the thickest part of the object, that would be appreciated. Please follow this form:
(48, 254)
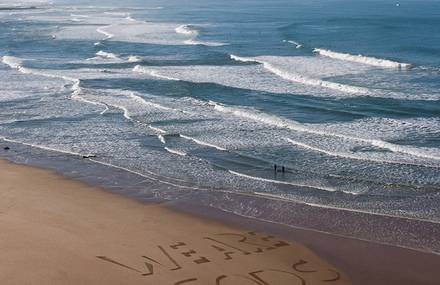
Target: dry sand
(58, 231)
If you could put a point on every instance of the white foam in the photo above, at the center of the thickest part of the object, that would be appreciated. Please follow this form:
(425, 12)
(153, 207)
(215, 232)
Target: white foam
(16, 63)
(282, 182)
(142, 32)
(187, 30)
(140, 100)
(204, 43)
(415, 151)
(157, 129)
(175, 151)
(105, 33)
(121, 14)
(125, 109)
(79, 16)
(202, 143)
(362, 59)
(289, 124)
(107, 55)
(130, 18)
(144, 70)
(297, 45)
(161, 138)
(122, 27)
(42, 147)
(135, 108)
(134, 58)
(367, 157)
(257, 77)
(193, 32)
(11, 61)
(296, 77)
(76, 95)
(237, 76)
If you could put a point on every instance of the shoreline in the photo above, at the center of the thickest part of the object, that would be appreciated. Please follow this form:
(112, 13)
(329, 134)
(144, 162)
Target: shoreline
(415, 266)
(404, 232)
(57, 230)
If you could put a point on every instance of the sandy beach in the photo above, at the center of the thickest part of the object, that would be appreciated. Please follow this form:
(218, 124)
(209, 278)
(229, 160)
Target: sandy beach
(58, 231)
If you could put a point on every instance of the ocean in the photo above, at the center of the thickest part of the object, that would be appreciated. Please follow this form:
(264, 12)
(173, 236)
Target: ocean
(208, 95)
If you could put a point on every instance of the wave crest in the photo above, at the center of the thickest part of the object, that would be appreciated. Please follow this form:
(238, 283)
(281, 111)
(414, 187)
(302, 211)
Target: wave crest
(105, 54)
(362, 59)
(175, 151)
(187, 30)
(295, 126)
(290, 76)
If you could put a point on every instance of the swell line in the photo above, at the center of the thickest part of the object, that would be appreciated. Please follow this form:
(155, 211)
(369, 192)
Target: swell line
(344, 155)
(294, 77)
(16, 63)
(293, 125)
(363, 59)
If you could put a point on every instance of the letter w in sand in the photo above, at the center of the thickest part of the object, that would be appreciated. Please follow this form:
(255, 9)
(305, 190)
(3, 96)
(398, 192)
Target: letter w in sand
(164, 261)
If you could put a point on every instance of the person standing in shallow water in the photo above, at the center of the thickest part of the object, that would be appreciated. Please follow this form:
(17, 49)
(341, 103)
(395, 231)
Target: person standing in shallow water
(275, 168)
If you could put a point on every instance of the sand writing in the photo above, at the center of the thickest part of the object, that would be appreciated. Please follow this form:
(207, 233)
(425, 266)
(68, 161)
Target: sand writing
(251, 252)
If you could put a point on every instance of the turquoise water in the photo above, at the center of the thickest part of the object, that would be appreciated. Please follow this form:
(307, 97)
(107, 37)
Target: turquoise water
(210, 95)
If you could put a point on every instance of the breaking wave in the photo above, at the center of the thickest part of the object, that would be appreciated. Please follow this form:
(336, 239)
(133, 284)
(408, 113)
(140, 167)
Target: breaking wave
(144, 70)
(175, 151)
(295, 43)
(161, 138)
(105, 33)
(194, 32)
(304, 79)
(292, 125)
(202, 143)
(187, 30)
(16, 63)
(157, 129)
(282, 182)
(203, 43)
(134, 58)
(363, 59)
(12, 61)
(105, 54)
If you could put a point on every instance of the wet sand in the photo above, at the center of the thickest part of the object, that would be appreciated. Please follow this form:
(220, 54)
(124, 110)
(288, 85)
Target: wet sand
(365, 262)
(55, 230)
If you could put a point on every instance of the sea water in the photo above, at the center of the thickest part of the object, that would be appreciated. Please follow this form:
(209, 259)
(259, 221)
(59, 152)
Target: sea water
(210, 95)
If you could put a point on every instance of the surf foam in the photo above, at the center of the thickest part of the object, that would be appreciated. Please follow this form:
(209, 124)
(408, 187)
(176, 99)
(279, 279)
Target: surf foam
(187, 30)
(202, 143)
(12, 61)
(175, 151)
(144, 70)
(16, 63)
(105, 54)
(362, 59)
(282, 182)
(296, 44)
(194, 32)
(161, 138)
(134, 58)
(290, 76)
(105, 33)
(292, 125)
